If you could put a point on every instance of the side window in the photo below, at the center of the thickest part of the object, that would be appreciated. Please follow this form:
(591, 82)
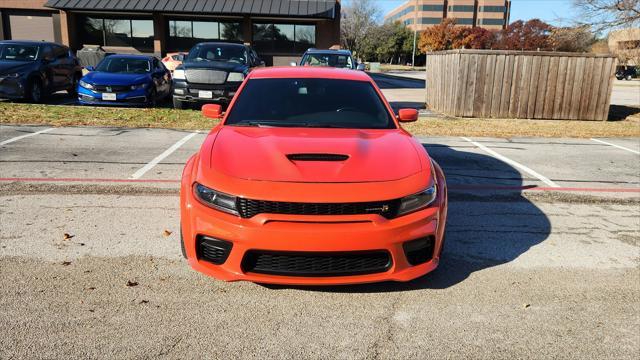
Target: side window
(47, 52)
(59, 52)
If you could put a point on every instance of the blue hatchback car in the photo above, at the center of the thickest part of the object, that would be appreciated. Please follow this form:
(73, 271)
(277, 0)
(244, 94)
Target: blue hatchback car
(125, 80)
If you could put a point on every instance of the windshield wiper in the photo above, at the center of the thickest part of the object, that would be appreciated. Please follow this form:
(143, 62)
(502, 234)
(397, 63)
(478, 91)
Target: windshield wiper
(265, 123)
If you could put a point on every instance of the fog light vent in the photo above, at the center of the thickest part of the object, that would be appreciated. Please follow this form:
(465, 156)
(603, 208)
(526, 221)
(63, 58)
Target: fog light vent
(213, 250)
(419, 251)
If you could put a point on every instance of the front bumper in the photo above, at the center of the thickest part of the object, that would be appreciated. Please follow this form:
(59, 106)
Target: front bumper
(282, 235)
(12, 88)
(189, 92)
(131, 98)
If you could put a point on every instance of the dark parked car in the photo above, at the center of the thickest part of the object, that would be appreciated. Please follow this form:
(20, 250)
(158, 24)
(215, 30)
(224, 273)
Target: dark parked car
(212, 73)
(329, 58)
(626, 72)
(31, 70)
(125, 80)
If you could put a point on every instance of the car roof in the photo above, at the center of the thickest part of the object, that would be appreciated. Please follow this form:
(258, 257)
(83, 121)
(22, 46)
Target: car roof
(308, 72)
(132, 56)
(28, 42)
(329, 51)
(219, 43)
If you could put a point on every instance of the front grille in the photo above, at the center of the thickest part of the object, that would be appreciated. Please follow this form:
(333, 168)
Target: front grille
(204, 76)
(212, 250)
(114, 89)
(316, 263)
(419, 251)
(248, 208)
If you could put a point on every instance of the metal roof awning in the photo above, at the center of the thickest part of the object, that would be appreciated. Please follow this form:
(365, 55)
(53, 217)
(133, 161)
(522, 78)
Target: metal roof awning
(284, 8)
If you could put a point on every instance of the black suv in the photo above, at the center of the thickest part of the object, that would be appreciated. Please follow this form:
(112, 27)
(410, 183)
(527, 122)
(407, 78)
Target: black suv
(212, 73)
(626, 72)
(31, 70)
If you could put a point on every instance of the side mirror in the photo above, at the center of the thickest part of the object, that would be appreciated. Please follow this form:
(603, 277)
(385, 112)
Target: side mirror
(361, 67)
(212, 111)
(293, 63)
(407, 115)
(90, 68)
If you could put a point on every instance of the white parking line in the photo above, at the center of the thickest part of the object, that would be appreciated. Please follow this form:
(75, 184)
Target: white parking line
(25, 136)
(616, 146)
(529, 171)
(138, 174)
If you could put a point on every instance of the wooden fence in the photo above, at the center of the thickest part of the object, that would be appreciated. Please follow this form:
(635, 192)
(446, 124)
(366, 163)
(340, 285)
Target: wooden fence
(515, 84)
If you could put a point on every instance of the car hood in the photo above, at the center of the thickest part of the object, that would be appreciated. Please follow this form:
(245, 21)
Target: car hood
(214, 65)
(265, 154)
(7, 67)
(105, 78)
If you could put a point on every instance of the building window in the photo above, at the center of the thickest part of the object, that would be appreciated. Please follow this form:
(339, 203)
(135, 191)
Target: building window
(494, 9)
(432, 8)
(461, 8)
(402, 13)
(136, 33)
(183, 34)
(430, 20)
(491, 22)
(464, 21)
(408, 22)
(283, 38)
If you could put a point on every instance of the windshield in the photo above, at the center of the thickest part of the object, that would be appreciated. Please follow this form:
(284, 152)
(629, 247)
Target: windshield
(19, 52)
(332, 60)
(124, 65)
(225, 53)
(323, 103)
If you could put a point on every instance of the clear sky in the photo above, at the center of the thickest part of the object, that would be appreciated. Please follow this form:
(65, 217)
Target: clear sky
(551, 11)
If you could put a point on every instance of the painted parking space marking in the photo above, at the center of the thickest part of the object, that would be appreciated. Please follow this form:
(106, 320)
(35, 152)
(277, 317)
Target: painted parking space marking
(616, 146)
(513, 163)
(138, 174)
(25, 136)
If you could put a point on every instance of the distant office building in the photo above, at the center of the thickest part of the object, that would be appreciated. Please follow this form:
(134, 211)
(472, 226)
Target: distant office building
(421, 14)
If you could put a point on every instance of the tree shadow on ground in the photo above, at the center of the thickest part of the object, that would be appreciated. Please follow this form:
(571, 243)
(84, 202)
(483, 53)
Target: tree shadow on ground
(485, 228)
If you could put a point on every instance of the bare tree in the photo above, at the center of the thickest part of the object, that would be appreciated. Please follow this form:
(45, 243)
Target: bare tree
(573, 39)
(357, 20)
(607, 14)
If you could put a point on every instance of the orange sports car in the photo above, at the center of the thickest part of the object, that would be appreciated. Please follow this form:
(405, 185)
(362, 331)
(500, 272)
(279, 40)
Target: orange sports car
(309, 179)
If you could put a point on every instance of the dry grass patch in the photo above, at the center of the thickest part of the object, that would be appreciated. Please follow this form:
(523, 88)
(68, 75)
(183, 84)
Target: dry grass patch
(16, 113)
(507, 128)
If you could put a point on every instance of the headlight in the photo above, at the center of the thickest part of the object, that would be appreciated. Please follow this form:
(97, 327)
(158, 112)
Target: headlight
(235, 76)
(418, 201)
(178, 74)
(86, 85)
(10, 76)
(139, 86)
(215, 199)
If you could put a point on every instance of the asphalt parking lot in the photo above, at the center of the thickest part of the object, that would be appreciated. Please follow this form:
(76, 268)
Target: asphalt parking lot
(542, 258)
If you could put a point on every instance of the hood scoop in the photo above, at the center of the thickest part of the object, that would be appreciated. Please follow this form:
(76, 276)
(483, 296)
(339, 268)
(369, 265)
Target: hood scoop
(317, 157)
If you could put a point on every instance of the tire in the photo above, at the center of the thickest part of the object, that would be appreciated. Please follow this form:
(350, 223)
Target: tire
(35, 92)
(73, 90)
(153, 98)
(619, 77)
(177, 104)
(628, 77)
(182, 249)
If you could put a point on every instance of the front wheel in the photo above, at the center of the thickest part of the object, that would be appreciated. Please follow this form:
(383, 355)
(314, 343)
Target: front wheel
(35, 91)
(153, 98)
(73, 90)
(178, 104)
(628, 77)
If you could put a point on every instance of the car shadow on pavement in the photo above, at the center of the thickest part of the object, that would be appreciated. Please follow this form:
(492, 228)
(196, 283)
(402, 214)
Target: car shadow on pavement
(487, 225)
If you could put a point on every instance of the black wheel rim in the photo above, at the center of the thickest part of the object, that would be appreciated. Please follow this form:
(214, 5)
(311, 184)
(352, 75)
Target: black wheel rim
(36, 92)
